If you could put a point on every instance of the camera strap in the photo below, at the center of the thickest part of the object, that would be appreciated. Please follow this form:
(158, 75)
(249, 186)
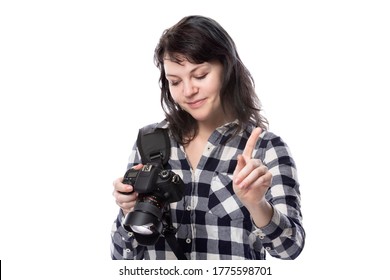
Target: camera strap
(154, 145)
(170, 236)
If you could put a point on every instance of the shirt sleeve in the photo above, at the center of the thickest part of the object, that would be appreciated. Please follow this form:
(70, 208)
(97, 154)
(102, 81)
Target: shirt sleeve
(123, 244)
(284, 236)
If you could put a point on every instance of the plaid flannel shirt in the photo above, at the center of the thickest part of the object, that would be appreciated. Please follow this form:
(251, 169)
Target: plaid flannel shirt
(212, 223)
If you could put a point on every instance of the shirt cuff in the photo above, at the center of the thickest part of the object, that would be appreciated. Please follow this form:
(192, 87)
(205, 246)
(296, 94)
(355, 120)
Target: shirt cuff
(127, 236)
(274, 228)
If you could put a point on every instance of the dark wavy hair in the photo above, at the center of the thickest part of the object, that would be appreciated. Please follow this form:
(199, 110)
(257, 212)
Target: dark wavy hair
(201, 39)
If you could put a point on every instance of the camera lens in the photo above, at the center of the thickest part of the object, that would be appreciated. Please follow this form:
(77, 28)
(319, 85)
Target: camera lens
(156, 188)
(151, 199)
(144, 229)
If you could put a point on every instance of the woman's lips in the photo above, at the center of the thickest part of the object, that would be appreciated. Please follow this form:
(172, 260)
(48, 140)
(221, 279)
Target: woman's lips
(196, 104)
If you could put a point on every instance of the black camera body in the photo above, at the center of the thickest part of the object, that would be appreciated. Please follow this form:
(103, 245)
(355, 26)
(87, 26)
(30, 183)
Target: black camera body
(156, 188)
(153, 180)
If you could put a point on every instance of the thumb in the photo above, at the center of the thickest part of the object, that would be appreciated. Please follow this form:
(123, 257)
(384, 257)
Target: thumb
(240, 164)
(138, 166)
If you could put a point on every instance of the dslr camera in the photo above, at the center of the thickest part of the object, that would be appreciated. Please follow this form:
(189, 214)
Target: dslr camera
(156, 188)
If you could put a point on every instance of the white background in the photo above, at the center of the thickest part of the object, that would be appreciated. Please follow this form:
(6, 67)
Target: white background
(77, 80)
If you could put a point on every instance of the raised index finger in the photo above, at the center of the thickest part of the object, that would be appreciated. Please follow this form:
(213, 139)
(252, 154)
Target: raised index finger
(251, 143)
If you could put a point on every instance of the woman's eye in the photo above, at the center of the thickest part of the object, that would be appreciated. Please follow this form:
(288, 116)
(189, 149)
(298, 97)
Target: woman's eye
(200, 77)
(174, 83)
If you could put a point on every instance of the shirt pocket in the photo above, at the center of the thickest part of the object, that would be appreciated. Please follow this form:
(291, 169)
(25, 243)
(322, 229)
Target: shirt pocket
(223, 202)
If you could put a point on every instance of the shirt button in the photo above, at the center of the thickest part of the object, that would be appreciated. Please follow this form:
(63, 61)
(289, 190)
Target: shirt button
(260, 235)
(188, 240)
(128, 250)
(188, 208)
(130, 234)
(268, 248)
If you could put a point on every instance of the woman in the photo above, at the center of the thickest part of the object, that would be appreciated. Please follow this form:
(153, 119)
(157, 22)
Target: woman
(242, 196)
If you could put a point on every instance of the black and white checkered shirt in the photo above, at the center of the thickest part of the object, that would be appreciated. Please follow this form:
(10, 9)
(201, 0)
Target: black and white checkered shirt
(212, 223)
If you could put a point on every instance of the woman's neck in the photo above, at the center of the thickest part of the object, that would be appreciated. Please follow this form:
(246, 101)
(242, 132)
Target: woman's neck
(206, 128)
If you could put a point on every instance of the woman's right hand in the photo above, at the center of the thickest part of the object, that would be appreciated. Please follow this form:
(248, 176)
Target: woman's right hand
(125, 196)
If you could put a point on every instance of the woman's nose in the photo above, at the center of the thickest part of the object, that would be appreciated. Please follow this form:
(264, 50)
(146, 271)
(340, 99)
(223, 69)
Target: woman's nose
(189, 88)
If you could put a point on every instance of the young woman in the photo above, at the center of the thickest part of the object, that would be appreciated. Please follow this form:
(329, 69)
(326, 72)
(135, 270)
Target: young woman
(242, 196)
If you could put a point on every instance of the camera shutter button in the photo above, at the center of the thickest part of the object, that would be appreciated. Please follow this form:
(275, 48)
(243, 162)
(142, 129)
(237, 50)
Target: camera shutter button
(164, 174)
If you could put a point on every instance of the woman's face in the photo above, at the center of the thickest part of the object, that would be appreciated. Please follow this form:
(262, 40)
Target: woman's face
(196, 88)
